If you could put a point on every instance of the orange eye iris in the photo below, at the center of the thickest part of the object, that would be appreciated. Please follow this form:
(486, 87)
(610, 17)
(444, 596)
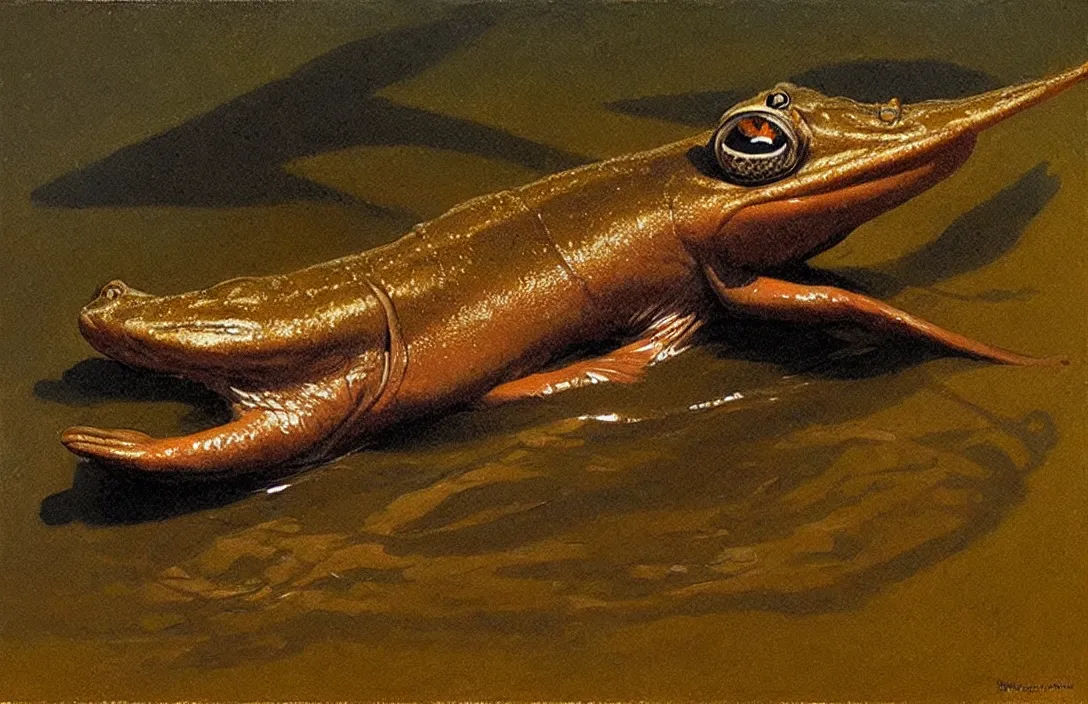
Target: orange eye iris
(757, 129)
(754, 134)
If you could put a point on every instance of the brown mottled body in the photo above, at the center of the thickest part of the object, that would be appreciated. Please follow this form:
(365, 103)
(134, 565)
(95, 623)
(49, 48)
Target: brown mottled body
(480, 303)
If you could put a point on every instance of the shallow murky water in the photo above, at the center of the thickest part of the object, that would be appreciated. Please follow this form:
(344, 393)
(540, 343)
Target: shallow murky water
(797, 513)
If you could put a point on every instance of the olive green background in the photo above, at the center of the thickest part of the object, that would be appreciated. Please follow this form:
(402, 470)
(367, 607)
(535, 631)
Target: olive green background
(845, 518)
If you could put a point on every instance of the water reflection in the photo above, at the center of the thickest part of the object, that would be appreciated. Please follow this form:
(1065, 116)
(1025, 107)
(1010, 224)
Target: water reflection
(566, 521)
(974, 240)
(98, 380)
(103, 496)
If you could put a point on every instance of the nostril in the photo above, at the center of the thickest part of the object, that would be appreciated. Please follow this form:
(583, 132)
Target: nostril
(112, 290)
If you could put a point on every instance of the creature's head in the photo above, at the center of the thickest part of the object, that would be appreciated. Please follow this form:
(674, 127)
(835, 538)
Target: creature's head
(235, 330)
(797, 170)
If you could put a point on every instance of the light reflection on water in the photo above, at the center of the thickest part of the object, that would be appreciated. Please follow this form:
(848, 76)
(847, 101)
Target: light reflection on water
(578, 518)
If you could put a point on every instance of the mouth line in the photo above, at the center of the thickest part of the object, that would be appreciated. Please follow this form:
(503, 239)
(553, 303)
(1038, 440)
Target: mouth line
(230, 327)
(117, 346)
(951, 152)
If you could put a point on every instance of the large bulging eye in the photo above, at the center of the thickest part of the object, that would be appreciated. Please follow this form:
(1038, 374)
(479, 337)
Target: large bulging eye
(756, 147)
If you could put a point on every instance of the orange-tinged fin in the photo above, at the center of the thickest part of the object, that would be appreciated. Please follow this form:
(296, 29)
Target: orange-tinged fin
(625, 365)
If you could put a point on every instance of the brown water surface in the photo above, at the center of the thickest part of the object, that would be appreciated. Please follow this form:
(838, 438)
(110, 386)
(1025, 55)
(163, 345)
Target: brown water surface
(791, 512)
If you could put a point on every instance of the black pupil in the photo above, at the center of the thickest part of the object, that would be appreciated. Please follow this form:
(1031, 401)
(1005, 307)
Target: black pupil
(779, 101)
(755, 135)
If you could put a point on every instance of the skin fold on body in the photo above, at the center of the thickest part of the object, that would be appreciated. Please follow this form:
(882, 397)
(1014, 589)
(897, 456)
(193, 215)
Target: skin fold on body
(491, 301)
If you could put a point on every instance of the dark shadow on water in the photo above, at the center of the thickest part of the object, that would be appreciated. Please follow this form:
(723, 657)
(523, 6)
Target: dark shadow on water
(911, 81)
(101, 495)
(698, 109)
(838, 352)
(974, 240)
(98, 380)
(867, 81)
(233, 155)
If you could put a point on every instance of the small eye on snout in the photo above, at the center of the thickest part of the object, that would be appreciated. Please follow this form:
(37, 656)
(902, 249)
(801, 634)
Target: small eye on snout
(890, 111)
(779, 100)
(112, 290)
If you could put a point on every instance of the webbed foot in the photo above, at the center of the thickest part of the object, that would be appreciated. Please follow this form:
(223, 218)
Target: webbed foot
(255, 441)
(108, 445)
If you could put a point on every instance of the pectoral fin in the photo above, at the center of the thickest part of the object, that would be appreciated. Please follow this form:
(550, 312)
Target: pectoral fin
(774, 299)
(258, 439)
(273, 429)
(625, 365)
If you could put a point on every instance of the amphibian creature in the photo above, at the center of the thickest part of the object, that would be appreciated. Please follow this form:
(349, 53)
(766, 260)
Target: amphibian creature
(481, 303)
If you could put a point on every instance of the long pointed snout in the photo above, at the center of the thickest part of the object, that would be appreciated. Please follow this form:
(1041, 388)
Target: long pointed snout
(976, 113)
(862, 160)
